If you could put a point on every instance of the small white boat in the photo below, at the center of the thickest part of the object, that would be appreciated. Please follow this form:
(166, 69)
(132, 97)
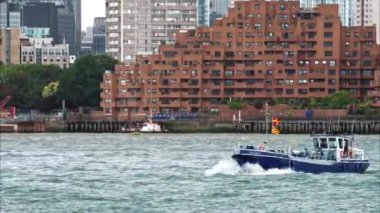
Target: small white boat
(150, 127)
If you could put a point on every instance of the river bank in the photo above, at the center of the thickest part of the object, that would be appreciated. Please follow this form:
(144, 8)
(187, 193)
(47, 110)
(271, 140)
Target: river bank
(253, 126)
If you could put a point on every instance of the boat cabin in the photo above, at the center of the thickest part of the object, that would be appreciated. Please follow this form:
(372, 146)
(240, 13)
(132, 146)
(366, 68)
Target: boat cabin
(332, 147)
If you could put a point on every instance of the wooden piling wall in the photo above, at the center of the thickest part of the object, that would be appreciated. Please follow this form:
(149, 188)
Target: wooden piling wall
(313, 126)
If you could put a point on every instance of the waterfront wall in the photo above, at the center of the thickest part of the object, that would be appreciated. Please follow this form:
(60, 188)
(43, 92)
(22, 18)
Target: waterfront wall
(313, 126)
(283, 111)
(252, 126)
(23, 126)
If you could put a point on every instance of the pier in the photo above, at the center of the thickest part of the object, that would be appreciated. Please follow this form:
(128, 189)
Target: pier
(100, 126)
(311, 126)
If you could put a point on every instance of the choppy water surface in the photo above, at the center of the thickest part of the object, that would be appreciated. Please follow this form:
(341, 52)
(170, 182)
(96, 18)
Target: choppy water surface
(170, 173)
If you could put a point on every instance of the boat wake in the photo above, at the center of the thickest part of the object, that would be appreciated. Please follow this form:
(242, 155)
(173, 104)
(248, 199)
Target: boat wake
(231, 167)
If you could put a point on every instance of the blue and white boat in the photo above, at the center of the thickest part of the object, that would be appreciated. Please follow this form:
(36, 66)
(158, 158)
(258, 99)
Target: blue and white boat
(330, 153)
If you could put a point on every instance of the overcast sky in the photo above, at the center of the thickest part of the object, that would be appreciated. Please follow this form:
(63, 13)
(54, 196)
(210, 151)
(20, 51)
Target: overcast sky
(90, 10)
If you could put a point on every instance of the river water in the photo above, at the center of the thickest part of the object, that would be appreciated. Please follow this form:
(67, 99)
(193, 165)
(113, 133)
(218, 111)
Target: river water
(170, 173)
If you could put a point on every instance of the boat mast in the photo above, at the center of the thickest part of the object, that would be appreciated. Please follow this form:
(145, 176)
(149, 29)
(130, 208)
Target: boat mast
(266, 120)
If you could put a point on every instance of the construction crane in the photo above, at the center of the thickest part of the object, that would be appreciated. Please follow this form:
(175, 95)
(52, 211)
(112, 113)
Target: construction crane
(4, 113)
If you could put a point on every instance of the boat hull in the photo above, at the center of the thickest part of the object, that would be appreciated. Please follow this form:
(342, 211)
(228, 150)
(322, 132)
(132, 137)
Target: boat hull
(323, 166)
(273, 160)
(243, 159)
(267, 160)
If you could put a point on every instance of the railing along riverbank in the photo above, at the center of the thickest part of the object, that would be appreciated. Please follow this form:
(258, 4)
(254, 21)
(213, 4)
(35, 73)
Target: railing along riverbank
(311, 126)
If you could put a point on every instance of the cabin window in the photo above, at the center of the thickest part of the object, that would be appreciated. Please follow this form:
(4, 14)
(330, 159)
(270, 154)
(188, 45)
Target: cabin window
(315, 141)
(332, 143)
(340, 143)
(323, 144)
(345, 144)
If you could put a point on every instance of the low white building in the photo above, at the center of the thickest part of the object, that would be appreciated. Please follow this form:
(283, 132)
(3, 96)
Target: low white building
(43, 51)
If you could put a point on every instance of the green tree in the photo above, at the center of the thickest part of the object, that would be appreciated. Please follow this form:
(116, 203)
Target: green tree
(80, 85)
(25, 83)
(235, 104)
(337, 100)
(50, 90)
(313, 102)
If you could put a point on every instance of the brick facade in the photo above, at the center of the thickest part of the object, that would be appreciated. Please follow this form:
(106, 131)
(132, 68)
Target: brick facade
(262, 50)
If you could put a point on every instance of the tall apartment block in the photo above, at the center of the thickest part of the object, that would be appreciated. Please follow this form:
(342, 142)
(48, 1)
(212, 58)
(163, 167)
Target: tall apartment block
(138, 27)
(261, 50)
(10, 45)
(219, 9)
(63, 17)
(203, 12)
(353, 12)
(98, 35)
(10, 14)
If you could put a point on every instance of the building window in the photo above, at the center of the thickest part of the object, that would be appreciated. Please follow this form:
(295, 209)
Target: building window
(228, 73)
(328, 25)
(257, 26)
(289, 91)
(366, 63)
(328, 34)
(215, 72)
(331, 72)
(302, 91)
(302, 81)
(368, 35)
(328, 53)
(327, 44)
(332, 91)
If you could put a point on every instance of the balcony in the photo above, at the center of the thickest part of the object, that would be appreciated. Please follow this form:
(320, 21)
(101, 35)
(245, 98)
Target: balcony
(128, 104)
(374, 93)
(105, 95)
(107, 105)
(375, 103)
(190, 95)
(130, 95)
(170, 95)
(170, 104)
(317, 85)
(105, 86)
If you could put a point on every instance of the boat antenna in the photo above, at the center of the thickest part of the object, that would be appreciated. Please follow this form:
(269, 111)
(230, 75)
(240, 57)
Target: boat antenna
(266, 121)
(352, 129)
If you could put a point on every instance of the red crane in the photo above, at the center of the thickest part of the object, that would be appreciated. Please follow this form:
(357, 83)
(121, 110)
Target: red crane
(4, 101)
(4, 113)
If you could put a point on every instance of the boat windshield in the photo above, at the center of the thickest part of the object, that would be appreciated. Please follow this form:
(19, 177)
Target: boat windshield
(323, 143)
(340, 143)
(315, 143)
(332, 143)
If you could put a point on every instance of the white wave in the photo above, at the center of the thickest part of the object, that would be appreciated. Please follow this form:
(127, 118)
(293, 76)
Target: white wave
(231, 167)
(257, 170)
(227, 167)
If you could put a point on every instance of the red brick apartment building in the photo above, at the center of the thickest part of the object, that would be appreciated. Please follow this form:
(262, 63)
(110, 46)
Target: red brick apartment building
(262, 50)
